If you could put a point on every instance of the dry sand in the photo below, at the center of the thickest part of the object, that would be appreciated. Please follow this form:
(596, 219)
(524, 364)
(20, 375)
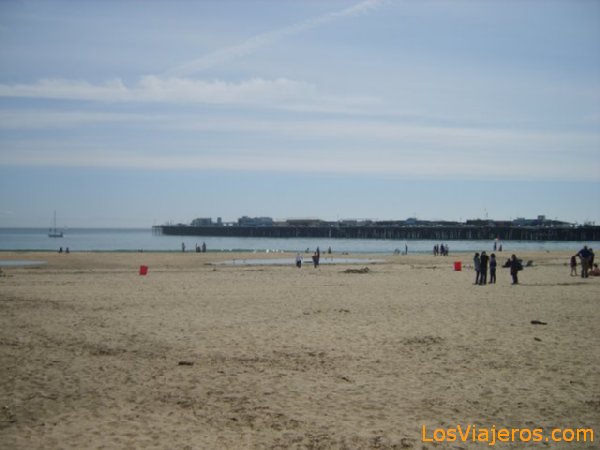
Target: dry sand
(197, 356)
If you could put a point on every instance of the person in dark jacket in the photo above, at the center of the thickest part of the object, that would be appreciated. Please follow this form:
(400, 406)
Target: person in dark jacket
(585, 255)
(483, 264)
(493, 264)
(515, 267)
(477, 267)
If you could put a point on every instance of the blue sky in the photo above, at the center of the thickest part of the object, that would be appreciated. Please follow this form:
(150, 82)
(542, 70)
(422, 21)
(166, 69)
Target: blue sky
(134, 113)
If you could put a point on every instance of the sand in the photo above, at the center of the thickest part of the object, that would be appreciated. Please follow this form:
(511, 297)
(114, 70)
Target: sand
(198, 356)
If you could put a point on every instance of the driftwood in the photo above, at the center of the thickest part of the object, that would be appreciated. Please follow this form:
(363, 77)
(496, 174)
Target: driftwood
(363, 270)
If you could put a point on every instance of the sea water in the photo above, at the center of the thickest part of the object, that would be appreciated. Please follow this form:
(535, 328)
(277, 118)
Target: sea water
(142, 239)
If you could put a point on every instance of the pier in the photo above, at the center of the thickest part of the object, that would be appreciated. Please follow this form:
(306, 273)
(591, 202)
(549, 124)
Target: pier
(394, 232)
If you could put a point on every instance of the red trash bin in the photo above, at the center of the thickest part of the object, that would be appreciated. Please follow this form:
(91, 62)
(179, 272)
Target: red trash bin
(143, 270)
(457, 266)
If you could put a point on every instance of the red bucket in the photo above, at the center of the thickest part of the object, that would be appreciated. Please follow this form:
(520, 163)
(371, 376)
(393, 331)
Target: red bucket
(457, 266)
(143, 270)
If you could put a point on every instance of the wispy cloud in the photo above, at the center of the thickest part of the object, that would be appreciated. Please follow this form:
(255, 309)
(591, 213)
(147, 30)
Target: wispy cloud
(413, 164)
(387, 140)
(348, 131)
(280, 93)
(154, 89)
(67, 90)
(255, 43)
(175, 85)
(11, 119)
(374, 149)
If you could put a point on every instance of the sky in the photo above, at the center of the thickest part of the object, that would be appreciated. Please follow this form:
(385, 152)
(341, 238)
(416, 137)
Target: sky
(136, 113)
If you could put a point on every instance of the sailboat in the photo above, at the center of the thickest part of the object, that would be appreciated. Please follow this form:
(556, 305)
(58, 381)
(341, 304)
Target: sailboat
(53, 232)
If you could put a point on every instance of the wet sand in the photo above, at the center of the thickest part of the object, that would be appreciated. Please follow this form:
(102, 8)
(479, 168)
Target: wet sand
(202, 356)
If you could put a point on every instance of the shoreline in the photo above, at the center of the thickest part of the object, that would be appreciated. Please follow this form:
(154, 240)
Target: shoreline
(288, 251)
(173, 260)
(220, 255)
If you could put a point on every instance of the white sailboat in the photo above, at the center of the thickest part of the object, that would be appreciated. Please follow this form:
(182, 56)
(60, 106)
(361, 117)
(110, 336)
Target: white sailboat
(53, 232)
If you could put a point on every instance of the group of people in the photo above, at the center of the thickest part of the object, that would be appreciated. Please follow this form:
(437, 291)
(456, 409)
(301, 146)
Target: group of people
(60, 250)
(316, 257)
(198, 248)
(482, 262)
(440, 249)
(586, 256)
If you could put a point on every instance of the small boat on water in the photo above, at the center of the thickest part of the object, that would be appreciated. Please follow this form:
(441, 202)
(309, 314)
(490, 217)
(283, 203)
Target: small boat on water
(53, 232)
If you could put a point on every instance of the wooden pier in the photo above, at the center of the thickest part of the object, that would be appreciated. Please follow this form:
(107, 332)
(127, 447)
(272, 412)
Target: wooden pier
(436, 233)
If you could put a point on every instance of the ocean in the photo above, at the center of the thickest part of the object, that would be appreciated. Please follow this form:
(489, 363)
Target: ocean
(142, 239)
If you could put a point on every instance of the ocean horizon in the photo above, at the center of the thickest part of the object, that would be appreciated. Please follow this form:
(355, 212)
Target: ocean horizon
(143, 239)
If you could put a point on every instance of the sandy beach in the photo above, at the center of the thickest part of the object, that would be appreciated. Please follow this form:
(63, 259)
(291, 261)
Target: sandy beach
(202, 356)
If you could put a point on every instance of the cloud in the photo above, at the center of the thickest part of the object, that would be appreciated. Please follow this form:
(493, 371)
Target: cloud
(67, 90)
(255, 91)
(255, 43)
(176, 90)
(279, 93)
(384, 136)
(425, 153)
(177, 86)
(12, 119)
(412, 164)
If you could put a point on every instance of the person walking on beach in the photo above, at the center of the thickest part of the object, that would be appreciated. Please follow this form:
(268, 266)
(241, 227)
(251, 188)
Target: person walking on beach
(315, 259)
(477, 267)
(585, 256)
(483, 267)
(298, 261)
(574, 266)
(493, 268)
